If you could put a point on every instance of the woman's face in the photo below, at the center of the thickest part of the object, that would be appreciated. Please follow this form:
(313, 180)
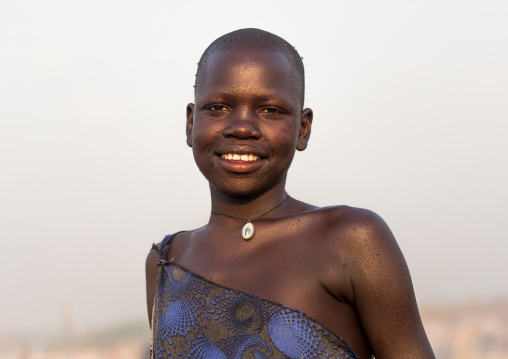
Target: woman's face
(247, 121)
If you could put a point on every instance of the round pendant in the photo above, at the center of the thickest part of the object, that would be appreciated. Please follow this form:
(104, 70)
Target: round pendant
(248, 231)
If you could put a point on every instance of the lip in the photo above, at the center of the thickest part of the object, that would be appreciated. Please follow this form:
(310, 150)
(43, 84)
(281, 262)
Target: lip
(240, 150)
(240, 166)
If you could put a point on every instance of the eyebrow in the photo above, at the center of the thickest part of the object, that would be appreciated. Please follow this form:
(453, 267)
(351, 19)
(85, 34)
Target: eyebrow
(261, 97)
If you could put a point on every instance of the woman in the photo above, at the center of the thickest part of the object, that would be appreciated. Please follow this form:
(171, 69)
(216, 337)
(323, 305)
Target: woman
(270, 276)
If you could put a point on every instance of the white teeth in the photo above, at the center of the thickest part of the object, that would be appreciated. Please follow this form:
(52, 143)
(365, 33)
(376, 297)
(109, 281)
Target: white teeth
(237, 157)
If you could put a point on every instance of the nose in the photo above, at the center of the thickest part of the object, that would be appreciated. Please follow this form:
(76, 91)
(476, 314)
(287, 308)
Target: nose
(242, 125)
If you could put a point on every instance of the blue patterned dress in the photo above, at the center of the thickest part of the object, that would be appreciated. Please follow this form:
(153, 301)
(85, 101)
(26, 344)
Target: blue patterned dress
(196, 318)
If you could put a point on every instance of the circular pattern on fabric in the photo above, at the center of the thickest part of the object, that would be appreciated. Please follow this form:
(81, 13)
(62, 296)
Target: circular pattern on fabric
(294, 335)
(199, 319)
(204, 348)
(178, 319)
(240, 346)
(239, 312)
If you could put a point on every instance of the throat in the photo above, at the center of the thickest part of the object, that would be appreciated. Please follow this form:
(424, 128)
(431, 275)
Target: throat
(248, 228)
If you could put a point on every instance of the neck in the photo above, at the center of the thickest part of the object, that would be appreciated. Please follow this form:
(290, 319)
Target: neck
(248, 207)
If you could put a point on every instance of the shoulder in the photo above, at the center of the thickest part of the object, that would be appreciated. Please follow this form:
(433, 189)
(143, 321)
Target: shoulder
(352, 243)
(363, 230)
(362, 238)
(342, 216)
(378, 279)
(353, 227)
(160, 251)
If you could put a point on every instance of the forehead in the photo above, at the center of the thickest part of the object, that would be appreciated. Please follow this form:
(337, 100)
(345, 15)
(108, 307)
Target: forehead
(247, 71)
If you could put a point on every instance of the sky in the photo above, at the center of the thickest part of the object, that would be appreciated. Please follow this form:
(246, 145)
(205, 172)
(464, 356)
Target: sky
(410, 121)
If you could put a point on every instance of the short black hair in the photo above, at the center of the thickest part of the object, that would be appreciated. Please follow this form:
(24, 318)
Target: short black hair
(256, 39)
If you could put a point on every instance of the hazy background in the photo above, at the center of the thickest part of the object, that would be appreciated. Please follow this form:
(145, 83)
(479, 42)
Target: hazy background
(410, 103)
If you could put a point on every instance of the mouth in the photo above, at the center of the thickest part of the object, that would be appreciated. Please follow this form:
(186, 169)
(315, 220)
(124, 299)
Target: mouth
(240, 162)
(239, 157)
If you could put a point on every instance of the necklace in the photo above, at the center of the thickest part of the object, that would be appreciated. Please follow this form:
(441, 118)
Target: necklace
(248, 228)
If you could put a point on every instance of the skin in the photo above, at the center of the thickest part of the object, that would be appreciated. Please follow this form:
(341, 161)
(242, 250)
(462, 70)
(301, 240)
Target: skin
(339, 265)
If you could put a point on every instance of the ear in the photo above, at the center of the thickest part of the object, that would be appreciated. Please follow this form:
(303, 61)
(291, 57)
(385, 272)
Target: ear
(190, 122)
(305, 126)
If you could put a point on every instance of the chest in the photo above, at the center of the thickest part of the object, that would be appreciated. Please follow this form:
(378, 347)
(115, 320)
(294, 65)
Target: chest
(298, 268)
(268, 265)
(195, 316)
(284, 263)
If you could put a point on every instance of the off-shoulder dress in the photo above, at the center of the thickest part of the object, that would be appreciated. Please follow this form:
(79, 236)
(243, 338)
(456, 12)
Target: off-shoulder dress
(196, 318)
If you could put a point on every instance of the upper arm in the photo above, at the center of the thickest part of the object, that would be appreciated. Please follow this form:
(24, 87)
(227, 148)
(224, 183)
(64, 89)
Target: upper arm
(151, 281)
(383, 292)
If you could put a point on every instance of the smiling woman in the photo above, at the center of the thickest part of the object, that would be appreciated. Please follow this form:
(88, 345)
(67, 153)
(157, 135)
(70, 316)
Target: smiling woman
(312, 282)
(246, 106)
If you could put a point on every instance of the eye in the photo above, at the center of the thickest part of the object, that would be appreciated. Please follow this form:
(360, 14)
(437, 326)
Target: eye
(271, 110)
(217, 108)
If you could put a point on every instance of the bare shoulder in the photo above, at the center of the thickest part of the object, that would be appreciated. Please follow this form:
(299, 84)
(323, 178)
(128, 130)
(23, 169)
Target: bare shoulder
(368, 256)
(357, 222)
(370, 250)
(350, 229)
(363, 233)
(357, 233)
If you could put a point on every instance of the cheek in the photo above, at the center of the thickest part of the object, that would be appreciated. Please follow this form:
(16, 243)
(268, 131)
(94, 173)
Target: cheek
(201, 148)
(205, 130)
(201, 134)
(201, 154)
(287, 137)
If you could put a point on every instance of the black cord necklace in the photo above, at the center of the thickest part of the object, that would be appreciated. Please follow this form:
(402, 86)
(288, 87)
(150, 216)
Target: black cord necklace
(248, 228)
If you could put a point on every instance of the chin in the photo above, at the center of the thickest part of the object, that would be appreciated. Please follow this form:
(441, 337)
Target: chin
(245, 188)
(240, 191)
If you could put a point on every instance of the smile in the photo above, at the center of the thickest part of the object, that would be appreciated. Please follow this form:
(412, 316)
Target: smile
(238, 157)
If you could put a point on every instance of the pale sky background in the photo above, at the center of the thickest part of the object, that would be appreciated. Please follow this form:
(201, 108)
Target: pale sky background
(410, 103)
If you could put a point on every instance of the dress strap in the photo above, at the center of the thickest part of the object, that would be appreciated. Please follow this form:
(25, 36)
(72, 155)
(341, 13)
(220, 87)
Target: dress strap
(163, 247)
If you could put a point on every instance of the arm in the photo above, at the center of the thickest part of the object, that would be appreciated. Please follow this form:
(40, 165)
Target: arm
(383, 292)
(151, 281)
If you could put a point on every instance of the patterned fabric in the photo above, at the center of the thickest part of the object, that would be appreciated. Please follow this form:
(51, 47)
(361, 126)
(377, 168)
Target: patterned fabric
(196, 318)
